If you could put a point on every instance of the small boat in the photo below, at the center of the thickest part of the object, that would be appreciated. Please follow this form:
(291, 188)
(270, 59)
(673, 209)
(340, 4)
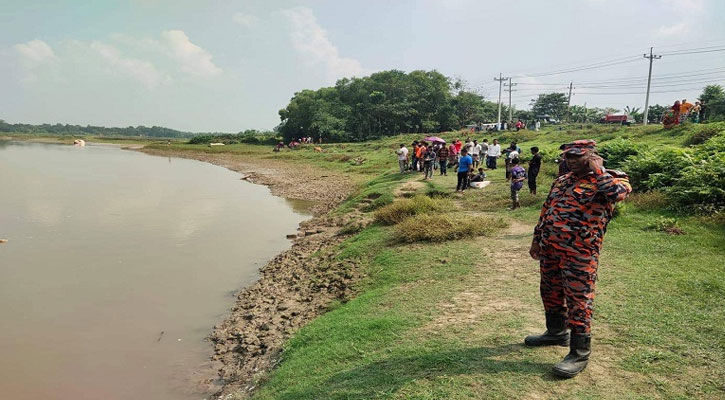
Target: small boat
(79, 142)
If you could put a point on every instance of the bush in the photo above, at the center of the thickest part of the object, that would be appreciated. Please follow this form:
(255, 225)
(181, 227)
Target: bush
(666, 225)
(615, 152)
(701, 185)
(380, 201)
(405, 208)
(442, 227)
(703, 133)
(656, 169)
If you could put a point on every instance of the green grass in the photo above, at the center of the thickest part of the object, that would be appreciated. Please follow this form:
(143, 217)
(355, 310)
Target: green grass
(445, 320)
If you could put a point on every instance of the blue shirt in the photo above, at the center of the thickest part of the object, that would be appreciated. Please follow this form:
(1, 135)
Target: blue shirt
(464, 164)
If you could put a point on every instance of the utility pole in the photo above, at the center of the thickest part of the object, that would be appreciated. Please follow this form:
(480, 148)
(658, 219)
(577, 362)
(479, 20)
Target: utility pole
(568, 102)
(510, 89)
(651, 58)
(500, 80)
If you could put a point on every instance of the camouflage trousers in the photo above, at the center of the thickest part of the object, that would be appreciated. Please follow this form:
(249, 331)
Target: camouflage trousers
(567, 286)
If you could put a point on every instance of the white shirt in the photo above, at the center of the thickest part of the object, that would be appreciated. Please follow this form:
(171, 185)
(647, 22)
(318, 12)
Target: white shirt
(476, 150)
(494, 150)
(402, 154)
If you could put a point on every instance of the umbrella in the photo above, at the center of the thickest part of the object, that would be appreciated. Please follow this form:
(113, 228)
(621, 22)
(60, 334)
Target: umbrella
(434, 139)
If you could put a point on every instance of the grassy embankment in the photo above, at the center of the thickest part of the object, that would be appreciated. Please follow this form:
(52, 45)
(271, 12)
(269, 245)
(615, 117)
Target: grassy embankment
(445, 320)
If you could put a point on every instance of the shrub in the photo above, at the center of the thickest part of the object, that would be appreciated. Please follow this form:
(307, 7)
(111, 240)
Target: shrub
(701, 185)
(616, 151)
(351, 228)
(380, 201)
(442, 227)
(405, 208)
(703, 133)
(666, 225)
(656, 169)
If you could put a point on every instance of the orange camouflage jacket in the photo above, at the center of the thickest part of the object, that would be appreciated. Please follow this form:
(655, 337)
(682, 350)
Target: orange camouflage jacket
(575, 215)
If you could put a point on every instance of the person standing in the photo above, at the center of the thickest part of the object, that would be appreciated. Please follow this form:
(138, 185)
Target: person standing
(443, 154)
(509, 154)
(419, 151)
(475, 153)
(695, 112)
(518, 176)
(464, 166)
(534, 167)
(494, 152)
(457, 143)
(537, 125)
(414, 155)
(567, 241)
(402, 153)
(484, 151)
(429, 157)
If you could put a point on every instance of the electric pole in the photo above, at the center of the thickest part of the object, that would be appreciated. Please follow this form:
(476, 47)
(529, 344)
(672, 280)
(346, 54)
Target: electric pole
(500, 80)
(651, 58)
(568, 102)
(510, 89)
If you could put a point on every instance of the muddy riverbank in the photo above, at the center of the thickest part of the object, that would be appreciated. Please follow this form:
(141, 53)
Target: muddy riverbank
(294, 288)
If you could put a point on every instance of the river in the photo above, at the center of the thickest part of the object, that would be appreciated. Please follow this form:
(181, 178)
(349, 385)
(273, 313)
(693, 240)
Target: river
(117, 265)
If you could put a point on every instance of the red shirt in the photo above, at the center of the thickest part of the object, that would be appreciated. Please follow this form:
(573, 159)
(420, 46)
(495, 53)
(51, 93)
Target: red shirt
(458, 145)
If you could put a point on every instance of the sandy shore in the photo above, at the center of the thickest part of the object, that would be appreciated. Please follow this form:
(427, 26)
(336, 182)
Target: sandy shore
(295, 287)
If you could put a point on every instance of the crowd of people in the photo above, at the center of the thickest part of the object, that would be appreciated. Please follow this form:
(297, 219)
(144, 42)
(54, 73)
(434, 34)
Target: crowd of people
(465, 159)
(683, 111)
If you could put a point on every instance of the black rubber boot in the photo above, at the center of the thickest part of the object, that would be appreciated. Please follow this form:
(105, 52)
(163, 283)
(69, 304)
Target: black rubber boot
(555, 335)
(578, 357)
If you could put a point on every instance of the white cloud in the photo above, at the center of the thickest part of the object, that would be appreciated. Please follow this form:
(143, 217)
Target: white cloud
(34, 58)
(193, 59)
(143, 71)
(311, 41)
(245, 20)
(678, 29)
(35, 52)
(686, 6)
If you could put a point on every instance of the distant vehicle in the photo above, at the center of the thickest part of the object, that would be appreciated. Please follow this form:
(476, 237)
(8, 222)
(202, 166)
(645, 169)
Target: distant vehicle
(623, 119)
(548, 119)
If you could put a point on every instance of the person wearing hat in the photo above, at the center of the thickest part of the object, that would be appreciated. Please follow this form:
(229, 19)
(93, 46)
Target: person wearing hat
(567, 241)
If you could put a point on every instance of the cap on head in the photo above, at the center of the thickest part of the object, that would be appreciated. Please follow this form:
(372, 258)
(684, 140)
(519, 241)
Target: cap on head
(578, 147)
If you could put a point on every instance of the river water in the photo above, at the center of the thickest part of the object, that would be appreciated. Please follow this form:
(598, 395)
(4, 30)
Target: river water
(109, 248)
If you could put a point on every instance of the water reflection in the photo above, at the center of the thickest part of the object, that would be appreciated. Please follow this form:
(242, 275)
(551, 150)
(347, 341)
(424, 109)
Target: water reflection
(107, 248)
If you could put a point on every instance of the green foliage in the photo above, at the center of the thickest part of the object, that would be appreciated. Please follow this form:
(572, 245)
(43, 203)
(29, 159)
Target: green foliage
(666, 225)
(701, 185)
(616, 151)
(713, 97)
(444, 226)
(656, 169)
(551, 104)
(380, 201)
(655, 113)
(61, 129)
(704, 132)
(383, 104)
(405, 208)
(248, 137)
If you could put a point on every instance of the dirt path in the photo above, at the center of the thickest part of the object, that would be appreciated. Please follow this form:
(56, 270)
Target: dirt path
(506, 284)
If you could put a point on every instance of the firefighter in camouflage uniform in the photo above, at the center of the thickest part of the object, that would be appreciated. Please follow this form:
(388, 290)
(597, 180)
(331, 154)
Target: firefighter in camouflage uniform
(566, 242)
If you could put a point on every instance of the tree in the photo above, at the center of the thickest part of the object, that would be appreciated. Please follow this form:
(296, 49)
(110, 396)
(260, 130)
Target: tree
(713, 97)
(634, 113)
(551, 104)
(655, 113)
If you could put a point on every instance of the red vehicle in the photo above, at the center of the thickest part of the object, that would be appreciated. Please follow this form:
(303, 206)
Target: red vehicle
(623, 119)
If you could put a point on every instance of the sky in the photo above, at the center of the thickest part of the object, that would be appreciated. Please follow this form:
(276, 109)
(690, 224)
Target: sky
(227, 66)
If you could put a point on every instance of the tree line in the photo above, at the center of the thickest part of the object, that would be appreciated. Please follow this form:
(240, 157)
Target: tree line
(383, 104)
(66, 129)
